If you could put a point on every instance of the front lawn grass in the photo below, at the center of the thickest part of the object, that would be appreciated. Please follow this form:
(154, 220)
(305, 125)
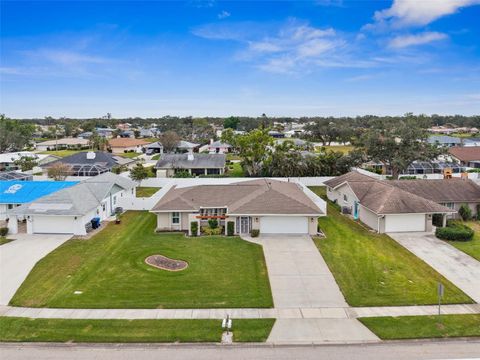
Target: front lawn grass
(145, 191)
(235, 170)
(420, 327)
(14, 329)
(471, 247)
(130, 155)
(374, 270)
(4, 240)
(340, 148)
(110, 271)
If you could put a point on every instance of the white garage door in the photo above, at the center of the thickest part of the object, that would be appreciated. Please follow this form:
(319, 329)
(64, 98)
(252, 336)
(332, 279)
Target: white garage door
(404, 223)
(283, 225)
(53, 225)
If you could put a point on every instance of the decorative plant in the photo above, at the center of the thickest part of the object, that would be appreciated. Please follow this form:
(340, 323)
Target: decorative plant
(465, 212)
(254, 233)
(194, 228)
(213, 223)
(230, 228)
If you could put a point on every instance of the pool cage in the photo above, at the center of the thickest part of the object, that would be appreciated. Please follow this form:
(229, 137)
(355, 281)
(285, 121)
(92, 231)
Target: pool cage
(434, 167)
(88, 169)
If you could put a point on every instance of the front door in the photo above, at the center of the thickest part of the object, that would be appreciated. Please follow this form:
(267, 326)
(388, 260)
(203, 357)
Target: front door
(244, 225)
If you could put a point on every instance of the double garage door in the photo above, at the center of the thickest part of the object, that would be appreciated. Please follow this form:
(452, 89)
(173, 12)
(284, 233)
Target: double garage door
(404, 223)
(53, 224)
(283, 225)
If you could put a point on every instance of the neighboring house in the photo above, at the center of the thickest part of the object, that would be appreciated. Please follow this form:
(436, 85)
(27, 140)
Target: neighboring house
(218, 147)
(276, 134)
(466, 156)
(105, 132)
(271, 206)
(154, 148)
(92, 163)
(196, 164)
(14, 193)
(383, 206)
(452, 193)
(444, 140)
(85, 135)
(148, 133)
(127, 134)
(471, 142)
(70, 211)
(7, 160)
(186, 146)
(15, 175)
(121, 145)
(61, 144)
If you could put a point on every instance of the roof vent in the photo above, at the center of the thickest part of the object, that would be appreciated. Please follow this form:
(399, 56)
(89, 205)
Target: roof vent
(91, 155)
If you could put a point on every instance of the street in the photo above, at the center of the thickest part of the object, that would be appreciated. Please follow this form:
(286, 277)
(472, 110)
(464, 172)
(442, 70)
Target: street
(458, 349)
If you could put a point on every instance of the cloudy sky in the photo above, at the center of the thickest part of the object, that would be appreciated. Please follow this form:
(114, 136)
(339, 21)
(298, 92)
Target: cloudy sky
(324, 57)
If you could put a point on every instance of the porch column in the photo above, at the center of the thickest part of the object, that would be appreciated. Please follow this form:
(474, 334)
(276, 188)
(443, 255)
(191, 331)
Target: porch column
(444, 220)
(12, 224)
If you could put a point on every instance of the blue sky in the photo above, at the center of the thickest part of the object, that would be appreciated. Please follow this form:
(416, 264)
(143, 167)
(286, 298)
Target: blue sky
(323, 57)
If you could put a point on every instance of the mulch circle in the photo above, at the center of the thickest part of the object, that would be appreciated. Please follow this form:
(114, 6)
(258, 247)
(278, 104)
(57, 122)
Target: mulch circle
(165, 263)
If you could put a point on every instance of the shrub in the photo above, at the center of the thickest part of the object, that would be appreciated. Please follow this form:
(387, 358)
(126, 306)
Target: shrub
(213, 223)
(194, 228)
(230, 228)
(465, 212)
(207, 230)
(3, 231)
(478, 211)
(455, 232)
(254, 233)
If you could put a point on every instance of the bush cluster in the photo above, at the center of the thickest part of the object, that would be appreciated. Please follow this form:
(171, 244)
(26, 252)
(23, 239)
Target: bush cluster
(3, 231)
(455, 232)
(230, 228)
(194, 228)
(254, 233)
(207, 230)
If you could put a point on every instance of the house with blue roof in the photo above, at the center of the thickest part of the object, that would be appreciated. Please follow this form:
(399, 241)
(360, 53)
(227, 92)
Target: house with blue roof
(14, 193)
(443, 140)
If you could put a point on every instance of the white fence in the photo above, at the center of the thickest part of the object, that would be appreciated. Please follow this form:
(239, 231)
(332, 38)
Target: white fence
(143, 203)
(180, 182)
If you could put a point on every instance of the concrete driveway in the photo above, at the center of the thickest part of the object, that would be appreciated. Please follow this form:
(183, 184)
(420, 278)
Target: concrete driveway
(299, 277)
(458, 267)
(17, 258)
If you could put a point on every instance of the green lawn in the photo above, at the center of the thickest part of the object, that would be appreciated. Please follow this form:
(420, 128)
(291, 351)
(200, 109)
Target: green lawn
(374, 270)
(130, 155)
(235, 170)
(156, 157)
(342, 148)
(145, 191)
(97, 331)
(110, 271)
(471, 247)
(419, 327)
(4, 240)
(62, 153)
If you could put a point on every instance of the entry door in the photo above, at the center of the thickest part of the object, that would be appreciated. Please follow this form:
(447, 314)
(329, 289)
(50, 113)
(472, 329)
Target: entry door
(244, 225)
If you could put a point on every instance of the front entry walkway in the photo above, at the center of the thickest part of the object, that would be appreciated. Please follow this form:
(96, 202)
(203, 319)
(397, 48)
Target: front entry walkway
(18, 257)
(458, 267)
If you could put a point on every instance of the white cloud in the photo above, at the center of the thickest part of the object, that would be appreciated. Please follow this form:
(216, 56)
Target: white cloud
(405, 13)
(68, 57)
(224, 14)
(403, 41)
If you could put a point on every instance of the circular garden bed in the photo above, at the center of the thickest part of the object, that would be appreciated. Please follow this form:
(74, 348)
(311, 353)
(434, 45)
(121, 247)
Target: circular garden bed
(165, 263)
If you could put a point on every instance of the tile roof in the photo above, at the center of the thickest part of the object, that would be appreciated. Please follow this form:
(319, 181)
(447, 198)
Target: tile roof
(65, 141)
(126, 142)
(469, 153)
(200, 161)
(102, 158)
(256, 197)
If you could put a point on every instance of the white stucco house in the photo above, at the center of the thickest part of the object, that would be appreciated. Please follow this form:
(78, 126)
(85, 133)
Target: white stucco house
(383, 206)
(70, 211)
(270, 206)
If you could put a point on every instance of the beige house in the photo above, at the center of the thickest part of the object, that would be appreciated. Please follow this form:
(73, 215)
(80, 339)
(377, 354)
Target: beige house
(121, 145)
(270, 206)
(382, 205)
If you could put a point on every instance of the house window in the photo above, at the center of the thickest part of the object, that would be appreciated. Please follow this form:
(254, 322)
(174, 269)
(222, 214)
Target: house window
(175, 218)
(114, 200)
(449, 205)
(103, 207)
(345, 198)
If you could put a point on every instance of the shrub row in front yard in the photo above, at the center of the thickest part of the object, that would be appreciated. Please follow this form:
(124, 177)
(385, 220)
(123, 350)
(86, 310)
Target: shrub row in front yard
(455, 232)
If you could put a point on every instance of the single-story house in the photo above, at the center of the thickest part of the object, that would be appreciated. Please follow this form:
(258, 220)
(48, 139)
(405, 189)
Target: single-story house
(443, 140)
(452, 193)
(270, 206)
(218, 147)
(14, 193)
(105, 132)
(466, 156)
(154, 148)
(121, 145)
(7, 160)
(471, 142)
(383, 206)
(194, 163)
(65, 143)
(92, 163)
(186, 146)
(70, 210)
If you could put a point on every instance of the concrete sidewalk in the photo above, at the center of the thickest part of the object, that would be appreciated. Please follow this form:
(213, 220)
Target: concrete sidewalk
(458, 267)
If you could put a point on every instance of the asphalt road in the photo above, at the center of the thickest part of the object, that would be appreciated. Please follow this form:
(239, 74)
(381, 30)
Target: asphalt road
(385, 351)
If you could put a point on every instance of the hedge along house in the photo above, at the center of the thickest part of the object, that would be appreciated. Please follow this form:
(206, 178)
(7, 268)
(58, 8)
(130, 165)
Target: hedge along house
(70, 211)
(270, 206)
(382, 206)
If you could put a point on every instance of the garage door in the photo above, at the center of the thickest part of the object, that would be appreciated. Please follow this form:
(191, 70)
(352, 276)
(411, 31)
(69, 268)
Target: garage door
(404, 223)
(283, 225)
(53, 225)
